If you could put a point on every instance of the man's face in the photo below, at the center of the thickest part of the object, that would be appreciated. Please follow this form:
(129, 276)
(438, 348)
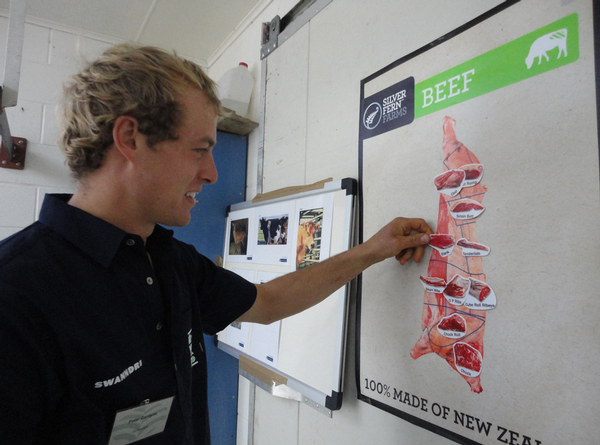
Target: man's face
(172, 172)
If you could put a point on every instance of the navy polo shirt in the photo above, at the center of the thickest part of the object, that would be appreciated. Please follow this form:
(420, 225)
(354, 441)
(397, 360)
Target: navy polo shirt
(90, 326)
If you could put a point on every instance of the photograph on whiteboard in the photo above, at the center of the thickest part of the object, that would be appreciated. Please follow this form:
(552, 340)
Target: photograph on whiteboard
(308, 248)
(273, 230)
(238, 238)
(501, 160)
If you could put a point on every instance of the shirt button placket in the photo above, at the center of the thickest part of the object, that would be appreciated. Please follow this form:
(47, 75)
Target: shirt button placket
(150, 281)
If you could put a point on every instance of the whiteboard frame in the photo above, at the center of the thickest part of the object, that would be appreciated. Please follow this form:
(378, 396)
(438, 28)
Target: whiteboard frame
(296, 388)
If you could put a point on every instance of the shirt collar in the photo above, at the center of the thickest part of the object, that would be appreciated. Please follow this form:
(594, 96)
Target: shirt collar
(96, 237)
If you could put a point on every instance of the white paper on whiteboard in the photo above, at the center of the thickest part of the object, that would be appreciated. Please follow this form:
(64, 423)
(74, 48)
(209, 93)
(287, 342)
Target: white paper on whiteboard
(264, 344)
(238, 334)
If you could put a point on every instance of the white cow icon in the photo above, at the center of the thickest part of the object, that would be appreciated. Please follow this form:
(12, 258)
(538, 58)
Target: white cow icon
(556, 39)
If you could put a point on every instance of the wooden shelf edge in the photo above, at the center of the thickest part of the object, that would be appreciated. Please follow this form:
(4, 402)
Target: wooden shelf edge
(232, 123)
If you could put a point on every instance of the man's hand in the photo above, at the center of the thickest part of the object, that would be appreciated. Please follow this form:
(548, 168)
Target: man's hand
(403, 238)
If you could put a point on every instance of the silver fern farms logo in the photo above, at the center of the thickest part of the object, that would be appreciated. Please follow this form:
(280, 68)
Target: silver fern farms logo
(372, 116)
(388, 109)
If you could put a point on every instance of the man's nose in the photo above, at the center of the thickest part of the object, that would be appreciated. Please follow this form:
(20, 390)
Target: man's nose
(208, 173)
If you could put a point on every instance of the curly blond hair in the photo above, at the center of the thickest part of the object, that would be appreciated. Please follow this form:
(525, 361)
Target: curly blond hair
(139, 81)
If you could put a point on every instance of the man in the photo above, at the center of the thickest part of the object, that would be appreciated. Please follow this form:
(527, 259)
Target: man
(101, 310)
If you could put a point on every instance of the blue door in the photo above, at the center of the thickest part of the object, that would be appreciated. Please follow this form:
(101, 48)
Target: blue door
(206, 232)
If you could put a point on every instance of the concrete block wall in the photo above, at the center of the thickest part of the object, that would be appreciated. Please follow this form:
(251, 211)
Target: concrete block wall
(49, 57)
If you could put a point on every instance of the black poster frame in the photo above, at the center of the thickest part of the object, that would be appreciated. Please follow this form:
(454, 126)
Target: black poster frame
(455, 437)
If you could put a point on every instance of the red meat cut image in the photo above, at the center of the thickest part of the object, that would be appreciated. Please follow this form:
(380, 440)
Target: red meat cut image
(432, 281)
(466, 206)
(467, 357)
(435, 306)
(442, 241)
(449, 180)
(453, 323)
(472, 171)
(469, 245)
(457, 287)
(479, 289)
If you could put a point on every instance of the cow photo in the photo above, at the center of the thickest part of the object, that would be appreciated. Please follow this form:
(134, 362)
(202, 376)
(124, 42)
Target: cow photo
(308, 249)
(273, 230)
(238, 237)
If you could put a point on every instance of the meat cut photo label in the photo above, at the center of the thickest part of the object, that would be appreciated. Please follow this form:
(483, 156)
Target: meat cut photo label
(451, 182)
(453, 326)
(472, 249)
(443, 243)
(466, 209)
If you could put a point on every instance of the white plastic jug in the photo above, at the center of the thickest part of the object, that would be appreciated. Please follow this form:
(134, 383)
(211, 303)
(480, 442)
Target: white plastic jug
(235, 89)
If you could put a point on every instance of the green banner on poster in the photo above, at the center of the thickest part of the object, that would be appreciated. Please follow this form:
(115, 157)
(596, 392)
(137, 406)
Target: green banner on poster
(545, 49)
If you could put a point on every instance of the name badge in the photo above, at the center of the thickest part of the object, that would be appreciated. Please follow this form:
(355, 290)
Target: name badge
(143, 421)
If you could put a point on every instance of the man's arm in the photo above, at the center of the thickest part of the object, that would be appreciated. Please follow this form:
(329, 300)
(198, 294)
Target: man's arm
(403, 238)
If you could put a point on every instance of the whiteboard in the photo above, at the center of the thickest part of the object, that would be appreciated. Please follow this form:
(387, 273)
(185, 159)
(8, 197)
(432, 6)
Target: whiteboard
(507, 352)
(307, 350)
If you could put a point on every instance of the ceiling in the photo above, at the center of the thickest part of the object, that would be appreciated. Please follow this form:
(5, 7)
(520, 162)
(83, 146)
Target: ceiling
(193, 28)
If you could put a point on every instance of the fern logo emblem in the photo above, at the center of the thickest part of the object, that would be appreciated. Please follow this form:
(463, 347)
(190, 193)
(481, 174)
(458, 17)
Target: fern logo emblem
(372, 116)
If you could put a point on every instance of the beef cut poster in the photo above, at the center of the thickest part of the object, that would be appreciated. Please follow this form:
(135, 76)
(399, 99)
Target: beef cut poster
(492, 137)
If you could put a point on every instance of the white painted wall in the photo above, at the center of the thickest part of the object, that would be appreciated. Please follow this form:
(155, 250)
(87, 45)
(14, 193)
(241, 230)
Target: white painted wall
(311, 133)
(50, 55)
(245, 47)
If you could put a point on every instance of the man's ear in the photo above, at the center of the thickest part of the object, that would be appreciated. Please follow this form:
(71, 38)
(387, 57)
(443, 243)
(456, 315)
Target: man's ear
(126, 136)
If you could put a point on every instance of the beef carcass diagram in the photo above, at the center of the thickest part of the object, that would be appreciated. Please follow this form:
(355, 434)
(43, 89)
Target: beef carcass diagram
(457, 296)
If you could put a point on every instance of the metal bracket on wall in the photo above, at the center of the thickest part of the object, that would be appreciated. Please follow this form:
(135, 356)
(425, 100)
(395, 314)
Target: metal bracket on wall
(13, 150)
(278, 30)
(270, 36)
(274, 34)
